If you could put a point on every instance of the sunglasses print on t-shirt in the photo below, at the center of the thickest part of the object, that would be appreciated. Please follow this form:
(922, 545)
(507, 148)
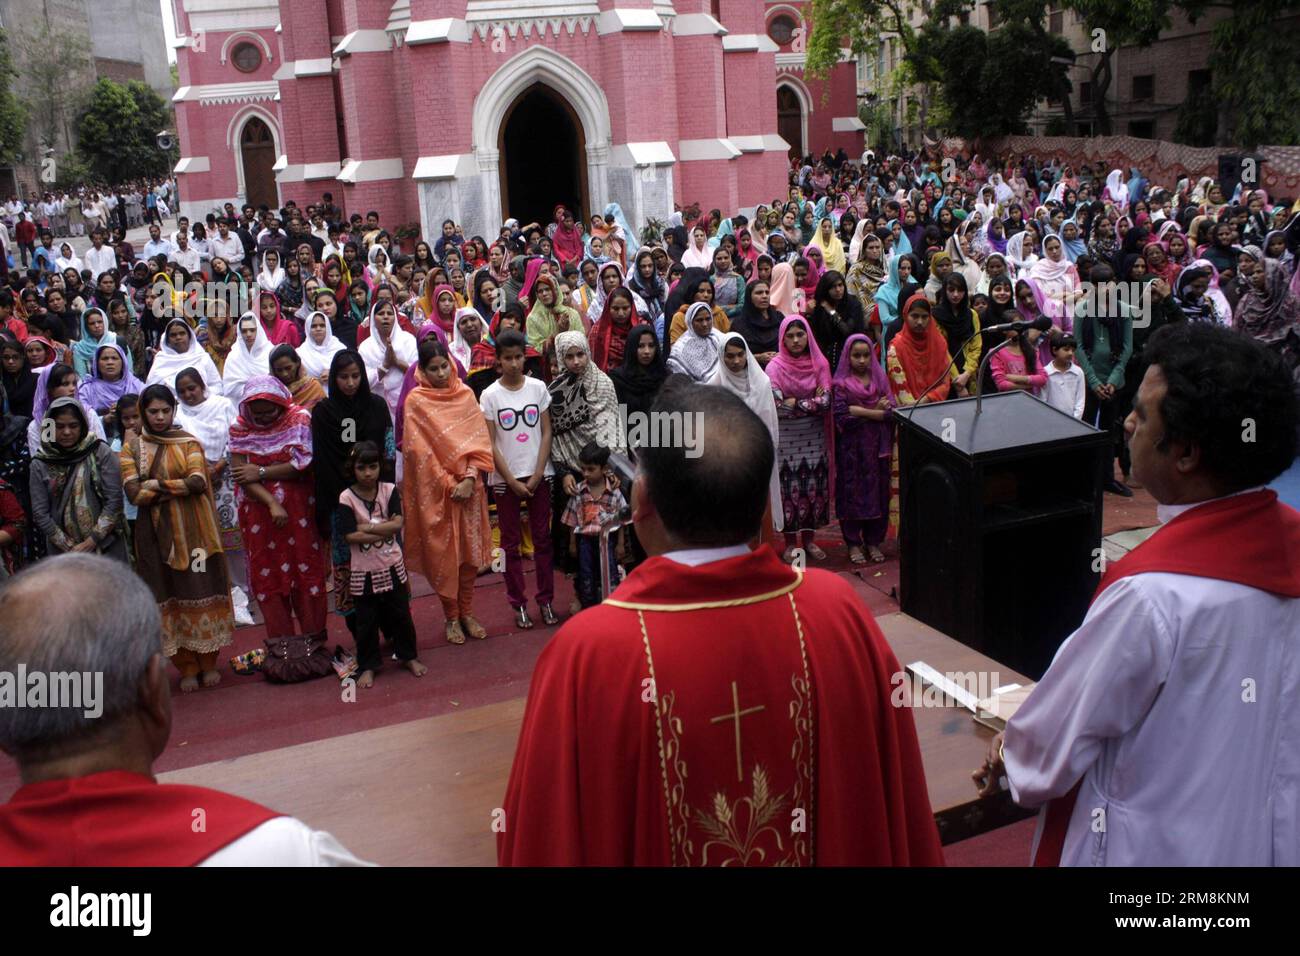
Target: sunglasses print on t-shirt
(508, 418)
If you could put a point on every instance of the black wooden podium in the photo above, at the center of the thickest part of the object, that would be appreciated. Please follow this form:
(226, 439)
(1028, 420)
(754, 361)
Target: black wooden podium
(1000, 519)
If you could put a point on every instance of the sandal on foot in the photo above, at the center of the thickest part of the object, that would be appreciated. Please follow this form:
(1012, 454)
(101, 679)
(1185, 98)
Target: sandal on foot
(522, 620)
(856, 556)
(877, 556)
(549, 617)
(454, 634)
(816, 553)
(473, 628)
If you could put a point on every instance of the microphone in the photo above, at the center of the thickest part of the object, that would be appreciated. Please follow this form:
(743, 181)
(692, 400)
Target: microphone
(1042, 324)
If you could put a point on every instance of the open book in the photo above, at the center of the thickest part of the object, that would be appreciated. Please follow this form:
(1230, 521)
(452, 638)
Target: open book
(996, 710)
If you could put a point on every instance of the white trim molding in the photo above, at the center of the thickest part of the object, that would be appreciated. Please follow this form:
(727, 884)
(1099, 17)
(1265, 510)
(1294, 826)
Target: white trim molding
(320, 170)
(193, 164)
(642, 154)
(450, 166)
(694, 150)
(847, 124)
(766, 143)
(216, 93)
(749, 43)
(364, 41)
(321, 66)
(370, 170)
(622, 20)
(444, 30)
(696, 25)
(250, 36)
(478, 11)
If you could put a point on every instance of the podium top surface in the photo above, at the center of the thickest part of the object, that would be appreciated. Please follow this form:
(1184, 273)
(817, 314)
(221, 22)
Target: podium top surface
(1007, 421)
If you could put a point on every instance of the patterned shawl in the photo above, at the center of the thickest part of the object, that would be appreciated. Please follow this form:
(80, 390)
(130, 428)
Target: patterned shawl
(288, 438)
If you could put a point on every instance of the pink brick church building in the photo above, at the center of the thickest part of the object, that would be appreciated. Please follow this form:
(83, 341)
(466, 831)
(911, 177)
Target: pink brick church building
(477, 110)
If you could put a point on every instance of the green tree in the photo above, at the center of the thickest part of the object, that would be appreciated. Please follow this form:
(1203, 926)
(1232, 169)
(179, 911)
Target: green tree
(57, 71)
(13, 115)
(118, 132)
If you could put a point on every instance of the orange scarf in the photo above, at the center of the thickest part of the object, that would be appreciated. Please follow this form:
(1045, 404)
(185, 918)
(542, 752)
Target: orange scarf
(445, 439)
(923, 360)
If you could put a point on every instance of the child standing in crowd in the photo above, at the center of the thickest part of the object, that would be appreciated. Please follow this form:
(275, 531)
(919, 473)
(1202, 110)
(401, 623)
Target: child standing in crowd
(128, 420)
(1067, 387)
(370, 520)
(596, 504)
(517, 410)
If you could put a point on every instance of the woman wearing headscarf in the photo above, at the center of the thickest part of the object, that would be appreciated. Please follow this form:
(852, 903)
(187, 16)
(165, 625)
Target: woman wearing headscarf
(319, 346)
(165, 471)
(832, 249)
(250, 357)
(1059, 281)
(447, 452)
(94, 333)
(566, 237)
(390, 351)
(957, 247)
(350, 413)
(739, 372)
(271, 458)
(695, 352)
(785, 294)
(698, 254)
(1196, 292)
(728, 284)
(56, 381)
(959, 324)
(1267, 309)
(269, 279)
(835, 316)
(609, 335)
(645, 282)
(759, 323)
(67, 259)
(110, 378)
(549, 316)
(698, 291)
(17, 376)
(76, 486)
(208, 418)
(15, 478)
(1071, 240)
(638, 380)
(304, 390)
(861, 403)
(279, 330)
(801, 384)
(902, 269)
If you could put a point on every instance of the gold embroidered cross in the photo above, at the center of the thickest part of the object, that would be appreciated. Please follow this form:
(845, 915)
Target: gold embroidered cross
(734, 717)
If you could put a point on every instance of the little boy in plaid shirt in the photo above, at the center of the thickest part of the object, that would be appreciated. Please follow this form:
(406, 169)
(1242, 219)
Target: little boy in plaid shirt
(595, 504)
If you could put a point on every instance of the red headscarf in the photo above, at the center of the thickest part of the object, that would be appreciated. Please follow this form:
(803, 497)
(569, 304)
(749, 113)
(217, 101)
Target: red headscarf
(923, 357)
(609, 339)
(567, 242)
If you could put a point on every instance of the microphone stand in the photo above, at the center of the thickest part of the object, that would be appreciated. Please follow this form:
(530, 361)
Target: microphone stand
(953, 358)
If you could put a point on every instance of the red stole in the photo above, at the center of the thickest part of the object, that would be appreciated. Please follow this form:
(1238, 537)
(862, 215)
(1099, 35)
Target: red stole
(736, 713)
(118, 818)
(1263, 553)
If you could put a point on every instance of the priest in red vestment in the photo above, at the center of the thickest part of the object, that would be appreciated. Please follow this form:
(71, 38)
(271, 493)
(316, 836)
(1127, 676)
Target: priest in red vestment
(89, 797)
(720, 708)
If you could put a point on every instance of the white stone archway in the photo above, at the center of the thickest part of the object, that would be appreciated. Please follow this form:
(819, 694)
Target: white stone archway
(234, 136)
(538, 64)
(805, 105)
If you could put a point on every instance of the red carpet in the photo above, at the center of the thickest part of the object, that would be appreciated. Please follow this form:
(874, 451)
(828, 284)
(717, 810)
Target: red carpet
(1007, 846)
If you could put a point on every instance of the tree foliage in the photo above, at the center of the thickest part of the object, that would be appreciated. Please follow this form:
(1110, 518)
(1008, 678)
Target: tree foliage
(57, 71)
(13, 115)
(118, 132)
(1258, 93)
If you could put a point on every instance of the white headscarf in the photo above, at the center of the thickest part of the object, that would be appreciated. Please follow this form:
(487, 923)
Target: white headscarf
(169, 363)
(244, 363)
(694, 257)
(459, 348)
(373, 350)
(72, 261)
(267, 280)
(855, 244)
(755, 389)
(316, 359)
(209, 421)
(1116, 190)
(1016, 254)
(694, 354)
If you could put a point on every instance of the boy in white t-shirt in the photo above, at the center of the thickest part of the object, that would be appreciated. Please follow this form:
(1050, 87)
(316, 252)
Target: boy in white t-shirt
(519, 421)
(1067, 386)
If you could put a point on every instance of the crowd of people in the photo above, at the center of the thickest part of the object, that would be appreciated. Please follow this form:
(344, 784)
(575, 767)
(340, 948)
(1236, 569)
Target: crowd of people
(334, 412)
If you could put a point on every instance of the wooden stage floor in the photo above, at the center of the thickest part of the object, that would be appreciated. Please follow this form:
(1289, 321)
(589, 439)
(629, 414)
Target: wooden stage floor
(422, 793)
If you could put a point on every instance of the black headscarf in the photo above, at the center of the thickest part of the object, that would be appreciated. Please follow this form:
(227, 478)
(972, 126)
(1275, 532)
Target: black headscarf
(481, 305)
(637, 385)
(957, 324)
(21, 386)
(760, 334)
(687, 284)
(363, 417)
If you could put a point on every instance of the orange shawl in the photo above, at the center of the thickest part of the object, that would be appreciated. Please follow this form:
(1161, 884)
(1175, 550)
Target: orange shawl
(445, 439)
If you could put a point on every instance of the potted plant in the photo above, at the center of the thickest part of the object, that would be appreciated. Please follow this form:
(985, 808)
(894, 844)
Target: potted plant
(407, 235)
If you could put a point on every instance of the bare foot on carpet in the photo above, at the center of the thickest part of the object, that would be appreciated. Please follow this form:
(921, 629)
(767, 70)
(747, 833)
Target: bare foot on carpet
(366, 679)
(189, 685)
(416, 668)
(210, 678)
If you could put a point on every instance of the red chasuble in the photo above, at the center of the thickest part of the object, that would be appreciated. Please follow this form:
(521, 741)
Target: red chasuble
(119, 818)
(1251, 539)
(731, 714)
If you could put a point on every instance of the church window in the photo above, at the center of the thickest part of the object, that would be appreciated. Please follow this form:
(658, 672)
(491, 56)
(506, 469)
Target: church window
(781, 29)
(246, 57)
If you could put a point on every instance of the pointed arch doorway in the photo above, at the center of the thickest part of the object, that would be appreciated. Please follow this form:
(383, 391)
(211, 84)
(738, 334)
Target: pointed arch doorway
(543, 157)
(257, 153)
(790, 121)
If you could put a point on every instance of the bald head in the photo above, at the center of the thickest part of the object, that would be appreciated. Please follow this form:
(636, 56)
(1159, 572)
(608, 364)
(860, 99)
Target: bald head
(75, 614)
(714, 493)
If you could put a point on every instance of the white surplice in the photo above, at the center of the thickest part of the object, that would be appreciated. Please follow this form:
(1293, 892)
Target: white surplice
(284, 841)
(1175, 701)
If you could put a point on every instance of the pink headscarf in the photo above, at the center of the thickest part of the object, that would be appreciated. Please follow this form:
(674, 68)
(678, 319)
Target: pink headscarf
(851, 386)
(408, 380)
(531, 271)
(798, 377)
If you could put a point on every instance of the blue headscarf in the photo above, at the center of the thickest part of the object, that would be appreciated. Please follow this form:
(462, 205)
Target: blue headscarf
(629, 237)
(1073, 248)
(887, 294)
(83, 352)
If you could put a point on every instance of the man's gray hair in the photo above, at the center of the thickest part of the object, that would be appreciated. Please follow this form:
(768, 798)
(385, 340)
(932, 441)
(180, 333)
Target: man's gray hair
(74, 614)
